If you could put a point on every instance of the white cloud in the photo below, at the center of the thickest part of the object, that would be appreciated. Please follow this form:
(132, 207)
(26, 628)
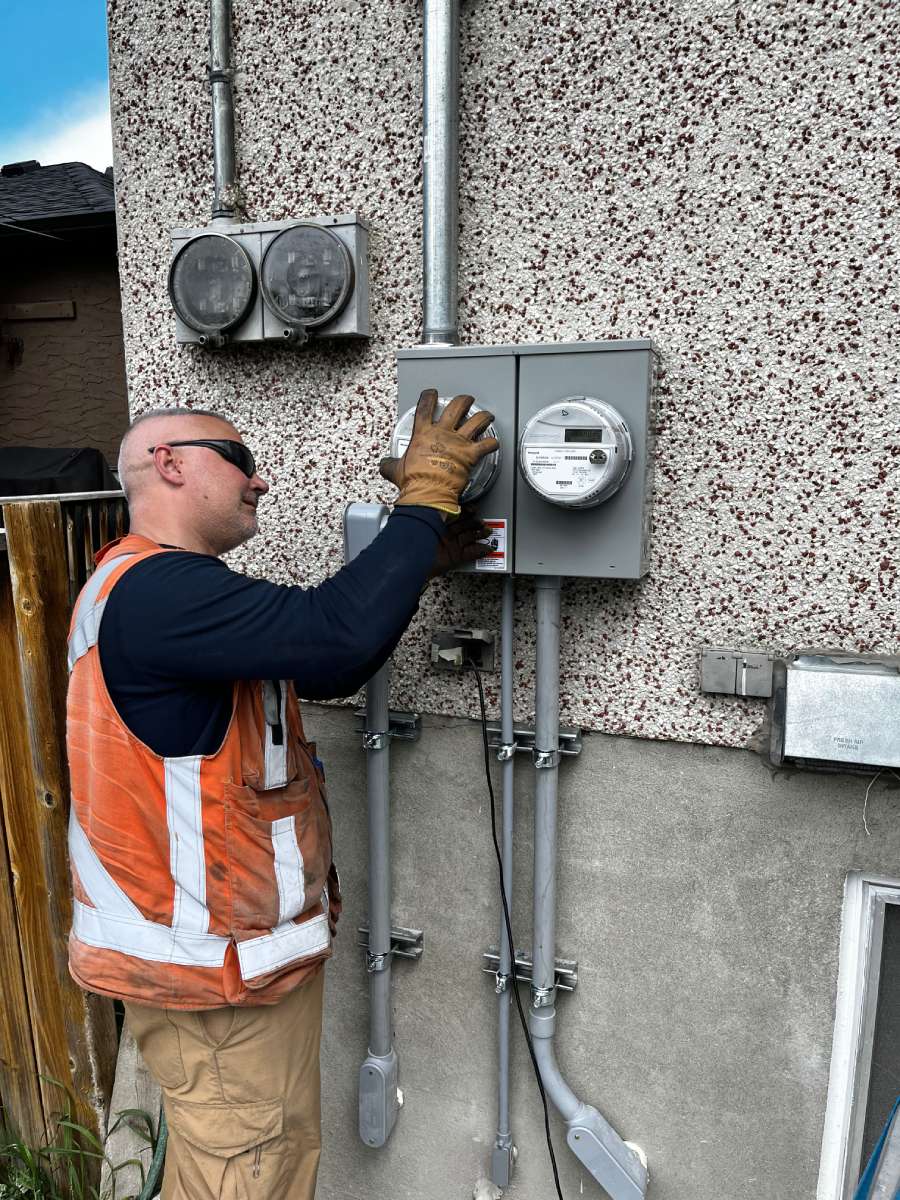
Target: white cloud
(77, 130)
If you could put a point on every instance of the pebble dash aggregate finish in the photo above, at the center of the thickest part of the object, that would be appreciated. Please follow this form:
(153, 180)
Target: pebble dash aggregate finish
(721, 177)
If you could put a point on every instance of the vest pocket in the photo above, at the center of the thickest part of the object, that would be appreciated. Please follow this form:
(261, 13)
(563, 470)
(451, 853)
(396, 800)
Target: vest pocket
(277, 865)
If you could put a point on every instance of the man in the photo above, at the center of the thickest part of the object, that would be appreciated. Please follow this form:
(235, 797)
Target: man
(205, 895)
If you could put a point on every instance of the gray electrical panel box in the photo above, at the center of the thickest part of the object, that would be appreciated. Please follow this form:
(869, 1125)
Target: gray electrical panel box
(491, 378)
(572, 496)
(282, 281)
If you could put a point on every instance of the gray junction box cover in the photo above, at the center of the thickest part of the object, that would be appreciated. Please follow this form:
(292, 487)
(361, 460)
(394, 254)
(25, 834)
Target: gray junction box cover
(534, 536)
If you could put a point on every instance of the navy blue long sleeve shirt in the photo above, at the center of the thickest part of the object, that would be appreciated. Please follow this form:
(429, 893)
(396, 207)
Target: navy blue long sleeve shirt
(180, 628)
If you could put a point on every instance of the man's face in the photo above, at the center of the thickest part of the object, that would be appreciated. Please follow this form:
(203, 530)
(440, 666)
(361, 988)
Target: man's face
(219, 497)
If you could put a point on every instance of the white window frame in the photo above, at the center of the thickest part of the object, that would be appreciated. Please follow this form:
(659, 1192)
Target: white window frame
(859, 973)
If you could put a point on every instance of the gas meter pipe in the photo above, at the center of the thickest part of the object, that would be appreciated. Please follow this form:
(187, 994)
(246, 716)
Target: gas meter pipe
(615, 1165)
(220, 77)
(502, 1156)
(440, 171)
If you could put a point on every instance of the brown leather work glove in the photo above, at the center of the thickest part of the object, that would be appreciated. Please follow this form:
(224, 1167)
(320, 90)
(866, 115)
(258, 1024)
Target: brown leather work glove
(440, 455)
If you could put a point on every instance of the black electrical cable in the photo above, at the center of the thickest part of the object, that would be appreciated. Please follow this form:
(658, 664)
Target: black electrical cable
(508, 923)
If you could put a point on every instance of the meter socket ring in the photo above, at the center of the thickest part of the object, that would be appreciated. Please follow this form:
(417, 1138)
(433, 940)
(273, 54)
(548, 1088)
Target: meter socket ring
(275, 272)
(184, 297)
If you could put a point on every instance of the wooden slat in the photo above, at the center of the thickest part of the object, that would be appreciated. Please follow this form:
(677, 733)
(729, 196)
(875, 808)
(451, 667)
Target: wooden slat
(19, 1087)
(38, 310)
(74, 1034)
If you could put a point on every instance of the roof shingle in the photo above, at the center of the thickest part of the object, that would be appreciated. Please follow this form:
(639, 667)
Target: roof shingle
(31, 193)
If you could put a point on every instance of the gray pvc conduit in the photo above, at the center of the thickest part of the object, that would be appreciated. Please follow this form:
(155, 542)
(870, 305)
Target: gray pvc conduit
(379, 1098)
(220, 76)
(503, 1154)
(440, 171)
(378, 1094)
(616, 1166)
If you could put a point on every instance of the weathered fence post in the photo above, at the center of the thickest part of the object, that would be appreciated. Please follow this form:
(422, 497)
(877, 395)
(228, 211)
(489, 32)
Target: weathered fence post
(73, 1033)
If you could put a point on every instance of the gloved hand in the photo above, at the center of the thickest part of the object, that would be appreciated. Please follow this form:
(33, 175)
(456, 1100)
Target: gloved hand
(462, 543)
(440, 455)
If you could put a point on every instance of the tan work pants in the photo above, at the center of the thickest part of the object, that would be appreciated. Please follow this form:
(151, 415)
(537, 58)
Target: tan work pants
(241, 1096)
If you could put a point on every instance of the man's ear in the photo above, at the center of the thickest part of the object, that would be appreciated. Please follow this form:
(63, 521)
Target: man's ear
(168, 465)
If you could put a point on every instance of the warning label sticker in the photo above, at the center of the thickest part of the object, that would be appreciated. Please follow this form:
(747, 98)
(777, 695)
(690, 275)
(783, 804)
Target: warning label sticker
(496, 560)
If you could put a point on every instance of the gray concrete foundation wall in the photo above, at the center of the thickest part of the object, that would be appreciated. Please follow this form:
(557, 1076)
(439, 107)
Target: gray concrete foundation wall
(701, 896)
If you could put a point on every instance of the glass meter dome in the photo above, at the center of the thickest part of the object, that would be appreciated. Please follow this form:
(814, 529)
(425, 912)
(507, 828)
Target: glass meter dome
(306, 275)
(212, 283)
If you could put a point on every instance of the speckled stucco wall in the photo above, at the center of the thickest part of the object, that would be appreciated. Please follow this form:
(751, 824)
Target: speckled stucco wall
(721, 177)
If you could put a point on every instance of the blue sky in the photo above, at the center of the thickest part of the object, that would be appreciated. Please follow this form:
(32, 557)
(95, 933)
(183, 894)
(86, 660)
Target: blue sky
(53, 87)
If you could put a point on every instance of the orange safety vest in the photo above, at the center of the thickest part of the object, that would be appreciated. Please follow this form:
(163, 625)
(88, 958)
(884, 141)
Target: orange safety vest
(201, 880)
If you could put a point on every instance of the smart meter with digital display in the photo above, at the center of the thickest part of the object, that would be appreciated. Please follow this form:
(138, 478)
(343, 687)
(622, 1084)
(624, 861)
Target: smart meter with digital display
(212, 283)
(576, 452)
(306, 275)
(485, 471)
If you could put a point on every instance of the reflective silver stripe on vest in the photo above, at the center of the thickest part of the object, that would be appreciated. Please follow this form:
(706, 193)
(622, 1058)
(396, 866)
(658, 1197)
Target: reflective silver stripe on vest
(115, 922)
(275, 708)
(147, 940)
(288, 869)
(285, 944)
(187, 861)
(88, 612)
(100, 886)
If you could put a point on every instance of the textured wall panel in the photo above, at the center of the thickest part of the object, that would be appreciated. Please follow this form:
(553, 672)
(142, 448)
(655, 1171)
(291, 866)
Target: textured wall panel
(69, 387)
(721, 177)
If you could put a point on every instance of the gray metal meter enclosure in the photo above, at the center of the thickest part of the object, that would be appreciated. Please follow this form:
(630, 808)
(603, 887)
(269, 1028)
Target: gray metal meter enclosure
(591, 405)
(278, 281)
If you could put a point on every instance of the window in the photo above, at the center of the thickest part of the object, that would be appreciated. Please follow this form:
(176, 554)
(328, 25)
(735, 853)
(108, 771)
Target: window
(865, 1060)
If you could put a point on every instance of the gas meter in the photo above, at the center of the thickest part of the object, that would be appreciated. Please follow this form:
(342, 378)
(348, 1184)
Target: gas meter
(576, 452)
(486, 470)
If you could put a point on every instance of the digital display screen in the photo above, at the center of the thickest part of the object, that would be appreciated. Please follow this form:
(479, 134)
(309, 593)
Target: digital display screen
(584, 435)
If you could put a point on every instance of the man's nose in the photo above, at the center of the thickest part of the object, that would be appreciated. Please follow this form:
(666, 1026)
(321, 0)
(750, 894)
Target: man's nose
(259, 484)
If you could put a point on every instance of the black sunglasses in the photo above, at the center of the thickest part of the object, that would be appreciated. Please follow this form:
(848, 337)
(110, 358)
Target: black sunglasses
(236, 453)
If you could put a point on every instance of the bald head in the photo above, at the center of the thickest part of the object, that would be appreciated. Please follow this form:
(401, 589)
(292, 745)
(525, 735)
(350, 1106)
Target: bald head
(136, 468)
(197, 497)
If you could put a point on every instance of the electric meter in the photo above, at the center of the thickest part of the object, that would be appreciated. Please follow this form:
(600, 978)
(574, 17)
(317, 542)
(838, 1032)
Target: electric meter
(485, 470)
(212, 283)
(306, 275)
(576, 452)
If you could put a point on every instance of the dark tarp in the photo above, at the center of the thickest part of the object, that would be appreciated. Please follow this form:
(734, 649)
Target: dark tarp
(39, 471)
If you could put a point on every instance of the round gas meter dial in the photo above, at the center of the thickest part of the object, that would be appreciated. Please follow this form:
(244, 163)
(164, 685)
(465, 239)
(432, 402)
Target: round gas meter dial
(576, 452)
(486, 469)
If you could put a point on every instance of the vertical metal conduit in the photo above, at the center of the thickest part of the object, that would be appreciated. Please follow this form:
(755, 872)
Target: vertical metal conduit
(220, 79)
(440, 171)
(616, 1166)
(502, 1156)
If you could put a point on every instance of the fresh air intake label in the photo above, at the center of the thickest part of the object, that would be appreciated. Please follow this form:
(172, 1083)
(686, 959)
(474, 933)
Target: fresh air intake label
(496, 560)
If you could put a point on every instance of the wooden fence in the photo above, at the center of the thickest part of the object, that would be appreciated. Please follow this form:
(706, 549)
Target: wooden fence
(52, 1034)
